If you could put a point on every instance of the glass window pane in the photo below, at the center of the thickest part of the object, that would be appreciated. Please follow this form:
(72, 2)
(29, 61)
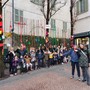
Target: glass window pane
(16, 18)
(21, 13)
(16, 11)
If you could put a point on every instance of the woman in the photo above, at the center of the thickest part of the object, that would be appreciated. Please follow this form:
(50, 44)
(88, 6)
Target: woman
(83, 62)
(11, 56)
(74, 60)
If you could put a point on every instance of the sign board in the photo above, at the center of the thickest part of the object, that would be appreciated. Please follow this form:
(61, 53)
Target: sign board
(48, 26)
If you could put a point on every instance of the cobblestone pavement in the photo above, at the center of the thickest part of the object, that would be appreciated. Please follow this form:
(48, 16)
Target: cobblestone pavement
(53, 78)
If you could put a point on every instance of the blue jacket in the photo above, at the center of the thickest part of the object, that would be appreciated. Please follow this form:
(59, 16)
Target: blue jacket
(73, 55)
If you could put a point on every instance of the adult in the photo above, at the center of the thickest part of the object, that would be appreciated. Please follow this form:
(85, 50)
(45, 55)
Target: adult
(74, 60)
(83, 62)
(40, 57)
(11, 56)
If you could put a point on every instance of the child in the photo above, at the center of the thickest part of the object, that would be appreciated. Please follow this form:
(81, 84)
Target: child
(14, 65)
(51, 58)
(33, 59)
(28, 63)
(55, 58)
(22, 64)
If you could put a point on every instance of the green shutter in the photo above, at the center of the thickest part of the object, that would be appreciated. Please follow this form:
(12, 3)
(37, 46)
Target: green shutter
(86, 5)
(77, 6)
(16, 15)
(53, 24)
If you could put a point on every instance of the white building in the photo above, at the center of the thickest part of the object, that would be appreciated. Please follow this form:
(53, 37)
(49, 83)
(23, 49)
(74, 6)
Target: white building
(82, 24)
(29, 20)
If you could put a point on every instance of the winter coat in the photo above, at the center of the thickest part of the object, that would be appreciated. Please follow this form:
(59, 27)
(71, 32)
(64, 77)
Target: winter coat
(83, 60)
(40, 54)
(15, 63)
(73, 54)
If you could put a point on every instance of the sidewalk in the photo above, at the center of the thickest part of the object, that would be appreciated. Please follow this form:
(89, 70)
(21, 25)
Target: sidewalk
(53, 78)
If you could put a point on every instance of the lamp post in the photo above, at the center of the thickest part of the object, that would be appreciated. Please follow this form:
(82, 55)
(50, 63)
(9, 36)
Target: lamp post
(12, 20)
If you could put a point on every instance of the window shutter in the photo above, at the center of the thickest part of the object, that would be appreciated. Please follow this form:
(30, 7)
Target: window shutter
(53, 24)
(86, 5)
(16, 15)
(77, 6)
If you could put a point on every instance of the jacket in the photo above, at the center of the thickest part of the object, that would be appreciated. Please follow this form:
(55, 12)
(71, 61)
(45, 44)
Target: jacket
(73, 54)
(83, 60)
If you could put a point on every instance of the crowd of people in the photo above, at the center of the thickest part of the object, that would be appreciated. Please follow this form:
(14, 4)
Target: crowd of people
(46, 57)
(34, 59)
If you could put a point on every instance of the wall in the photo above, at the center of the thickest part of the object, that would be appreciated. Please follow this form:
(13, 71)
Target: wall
(82, 21)
(32, 14)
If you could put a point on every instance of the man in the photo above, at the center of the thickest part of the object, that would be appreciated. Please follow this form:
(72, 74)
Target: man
(74, 60)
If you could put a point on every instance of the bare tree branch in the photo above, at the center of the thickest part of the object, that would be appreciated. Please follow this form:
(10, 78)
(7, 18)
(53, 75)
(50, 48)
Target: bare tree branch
(52, 4)
(42, 8)
(73, 3)
(58, 9)
(4, 4)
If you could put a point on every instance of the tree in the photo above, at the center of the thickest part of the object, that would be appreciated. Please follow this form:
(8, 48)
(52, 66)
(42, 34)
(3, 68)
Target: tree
(73, 19)
(72, 15)
(1, 40)
(50, 8)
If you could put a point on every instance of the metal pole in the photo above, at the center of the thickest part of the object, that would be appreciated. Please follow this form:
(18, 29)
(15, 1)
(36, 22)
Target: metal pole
(4, 19)
(12, 20)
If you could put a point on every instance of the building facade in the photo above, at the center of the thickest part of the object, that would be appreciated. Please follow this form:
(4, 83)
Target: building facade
(82, 20)
(29, 20)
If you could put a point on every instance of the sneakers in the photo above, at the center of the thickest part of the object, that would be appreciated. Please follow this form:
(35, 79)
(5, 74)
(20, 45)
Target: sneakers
(72, 77)
(83, 80)
(15, 74)
(11, 75)
(62, 63)
(88, 84)
(79, 78)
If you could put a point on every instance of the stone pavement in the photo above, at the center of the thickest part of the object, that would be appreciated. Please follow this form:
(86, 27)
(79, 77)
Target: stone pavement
(53, 78)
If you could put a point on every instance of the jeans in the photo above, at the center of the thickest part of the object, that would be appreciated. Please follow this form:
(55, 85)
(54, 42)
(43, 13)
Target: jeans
(10, 68)
(48, 63)
(86, 74)
(14, 69)
(75, 64)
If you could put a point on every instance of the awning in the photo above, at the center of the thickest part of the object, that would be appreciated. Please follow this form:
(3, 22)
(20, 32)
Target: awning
(82, 35)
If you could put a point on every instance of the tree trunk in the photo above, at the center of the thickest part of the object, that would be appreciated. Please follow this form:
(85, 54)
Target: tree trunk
(47, 22)
(71, 15)
(72, 26)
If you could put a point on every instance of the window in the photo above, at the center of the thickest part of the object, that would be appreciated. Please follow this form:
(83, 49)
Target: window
(53, 24)
(21, 16)
(18, 15)
(81, 6)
